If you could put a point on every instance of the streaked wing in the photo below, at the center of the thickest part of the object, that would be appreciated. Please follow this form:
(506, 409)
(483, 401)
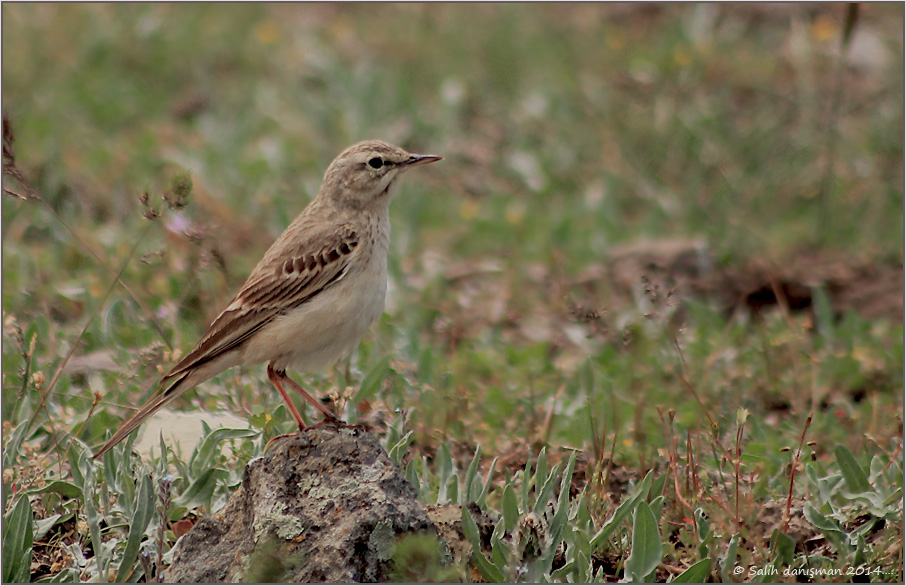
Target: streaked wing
(278, 284)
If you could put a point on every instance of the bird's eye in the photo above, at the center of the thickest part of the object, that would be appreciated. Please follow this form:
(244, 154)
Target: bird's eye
(376, 162)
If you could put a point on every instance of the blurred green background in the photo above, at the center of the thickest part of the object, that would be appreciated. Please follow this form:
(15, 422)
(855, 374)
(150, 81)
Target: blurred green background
(566, 130)
(753, 141)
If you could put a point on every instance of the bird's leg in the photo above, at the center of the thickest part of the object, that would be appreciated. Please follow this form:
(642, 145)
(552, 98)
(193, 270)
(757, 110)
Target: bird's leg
(328, 415)
(275, 380)
(281, 376)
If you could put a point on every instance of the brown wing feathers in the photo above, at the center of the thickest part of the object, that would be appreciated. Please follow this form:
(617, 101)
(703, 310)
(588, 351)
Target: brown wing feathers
(266, 295)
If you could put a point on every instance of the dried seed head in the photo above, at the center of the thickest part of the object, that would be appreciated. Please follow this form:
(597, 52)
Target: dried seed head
(177, 197)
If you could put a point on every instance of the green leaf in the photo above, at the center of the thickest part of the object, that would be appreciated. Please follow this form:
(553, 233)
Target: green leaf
(569, 572)
(580, 539)
(42, 526)
(203, 457)
(443, 464)
(697, 573)
(13, 448)
(541, 469)
(785, 546)
(657, 487)
(143, 511)
(829, 528)
(895, 497)
(372, 381)
(412, 477)
(470, 531)
(510, 507)
(646, 545)
(876, 469)
(547, 490)
(398, 450)
(825, 487)
(470, 477)
(583, 567)
(424, 477)
(704, 527)
(562, 512)
(625, 509)
(729, 562)
(162, 464)
(526, 483)
(116, 461)
(498, 552)
(66, 576)
(17, 542)
(83, 469)
(452, 492)
(487, 484)
(66, 489)
(657, 505)
(582, 518)
(126, 485)
(853, 474)
(201, 490)
(77, 477)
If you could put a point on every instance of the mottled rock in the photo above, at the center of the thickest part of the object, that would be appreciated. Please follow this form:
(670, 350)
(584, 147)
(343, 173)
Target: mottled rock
(327, 505)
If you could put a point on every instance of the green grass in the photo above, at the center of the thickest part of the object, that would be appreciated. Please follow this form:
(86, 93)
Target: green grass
(567, 131)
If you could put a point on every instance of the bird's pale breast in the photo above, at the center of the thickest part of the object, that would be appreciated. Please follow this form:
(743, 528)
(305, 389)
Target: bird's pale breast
(331, 323)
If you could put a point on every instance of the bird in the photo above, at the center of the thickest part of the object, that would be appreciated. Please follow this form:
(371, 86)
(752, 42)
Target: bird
(314, 293)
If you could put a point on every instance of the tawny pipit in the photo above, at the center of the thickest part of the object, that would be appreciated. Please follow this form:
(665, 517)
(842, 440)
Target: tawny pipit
(315, 292)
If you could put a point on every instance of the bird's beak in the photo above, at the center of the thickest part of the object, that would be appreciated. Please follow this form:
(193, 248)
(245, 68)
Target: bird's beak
(416, 160)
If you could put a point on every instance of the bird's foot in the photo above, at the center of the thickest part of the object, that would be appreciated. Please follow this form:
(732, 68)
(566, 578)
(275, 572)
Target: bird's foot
(338, 424)
(328, 420)
(268, 445)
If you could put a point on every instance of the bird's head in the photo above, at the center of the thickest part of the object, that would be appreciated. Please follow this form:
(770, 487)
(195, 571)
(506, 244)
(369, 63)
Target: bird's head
(364, 173)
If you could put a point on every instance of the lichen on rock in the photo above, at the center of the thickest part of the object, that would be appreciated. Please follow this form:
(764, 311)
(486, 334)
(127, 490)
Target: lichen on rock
(326, 505)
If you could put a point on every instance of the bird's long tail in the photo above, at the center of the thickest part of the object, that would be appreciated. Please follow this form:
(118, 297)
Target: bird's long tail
(173, 390)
